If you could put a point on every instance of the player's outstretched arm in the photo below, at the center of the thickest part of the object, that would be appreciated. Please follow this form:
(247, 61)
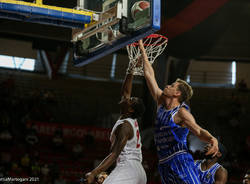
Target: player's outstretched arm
(221, 176)
(123, 133)
(127, 86)
(149, 74)
(187, 119)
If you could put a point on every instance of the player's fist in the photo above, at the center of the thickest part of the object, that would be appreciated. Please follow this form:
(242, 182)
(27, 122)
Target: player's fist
(139, 62)
(90, 178)
(212, 148)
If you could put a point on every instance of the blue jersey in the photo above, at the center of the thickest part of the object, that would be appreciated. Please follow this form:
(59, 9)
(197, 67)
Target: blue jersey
(170, 138)
(207, 176)
(176, 165)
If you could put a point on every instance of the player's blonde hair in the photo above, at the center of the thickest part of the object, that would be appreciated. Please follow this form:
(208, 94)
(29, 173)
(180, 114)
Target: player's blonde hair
(185, 89)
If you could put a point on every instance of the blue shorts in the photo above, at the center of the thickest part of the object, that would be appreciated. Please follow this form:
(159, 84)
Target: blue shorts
(179, 170)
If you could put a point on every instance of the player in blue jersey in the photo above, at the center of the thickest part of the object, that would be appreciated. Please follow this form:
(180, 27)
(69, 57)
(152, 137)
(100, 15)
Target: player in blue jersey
(172, 126)
(209, 170)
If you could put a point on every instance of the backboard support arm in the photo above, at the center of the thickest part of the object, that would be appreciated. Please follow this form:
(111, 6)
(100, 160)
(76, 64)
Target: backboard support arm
(108, 18)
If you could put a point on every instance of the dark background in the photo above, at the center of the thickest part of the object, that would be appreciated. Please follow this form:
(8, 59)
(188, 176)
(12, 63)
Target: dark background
(215, 30)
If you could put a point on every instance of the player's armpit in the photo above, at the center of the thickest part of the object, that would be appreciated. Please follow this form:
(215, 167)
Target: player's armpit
(123, 133)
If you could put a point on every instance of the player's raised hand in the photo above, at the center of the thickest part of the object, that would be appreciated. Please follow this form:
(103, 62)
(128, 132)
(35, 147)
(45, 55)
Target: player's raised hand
(141, 44)
(213, 147)
(139, 62)
(90, 178)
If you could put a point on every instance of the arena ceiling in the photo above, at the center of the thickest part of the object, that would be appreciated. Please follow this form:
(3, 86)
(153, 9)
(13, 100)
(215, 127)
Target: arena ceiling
(214, 29)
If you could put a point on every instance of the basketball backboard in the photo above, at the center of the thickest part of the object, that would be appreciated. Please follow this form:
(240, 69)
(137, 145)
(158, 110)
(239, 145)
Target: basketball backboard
(113, 27)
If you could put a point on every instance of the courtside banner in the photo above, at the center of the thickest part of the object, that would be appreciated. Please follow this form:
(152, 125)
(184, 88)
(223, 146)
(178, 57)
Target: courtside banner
(70, 131)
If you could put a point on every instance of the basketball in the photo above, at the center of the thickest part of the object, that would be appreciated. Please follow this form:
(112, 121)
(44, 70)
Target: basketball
(139, 6)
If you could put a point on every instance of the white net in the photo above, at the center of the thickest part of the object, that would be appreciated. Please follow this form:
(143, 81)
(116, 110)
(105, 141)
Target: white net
(154, 45)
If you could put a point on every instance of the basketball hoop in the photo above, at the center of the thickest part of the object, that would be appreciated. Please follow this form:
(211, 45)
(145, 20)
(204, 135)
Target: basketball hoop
(154, 45)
